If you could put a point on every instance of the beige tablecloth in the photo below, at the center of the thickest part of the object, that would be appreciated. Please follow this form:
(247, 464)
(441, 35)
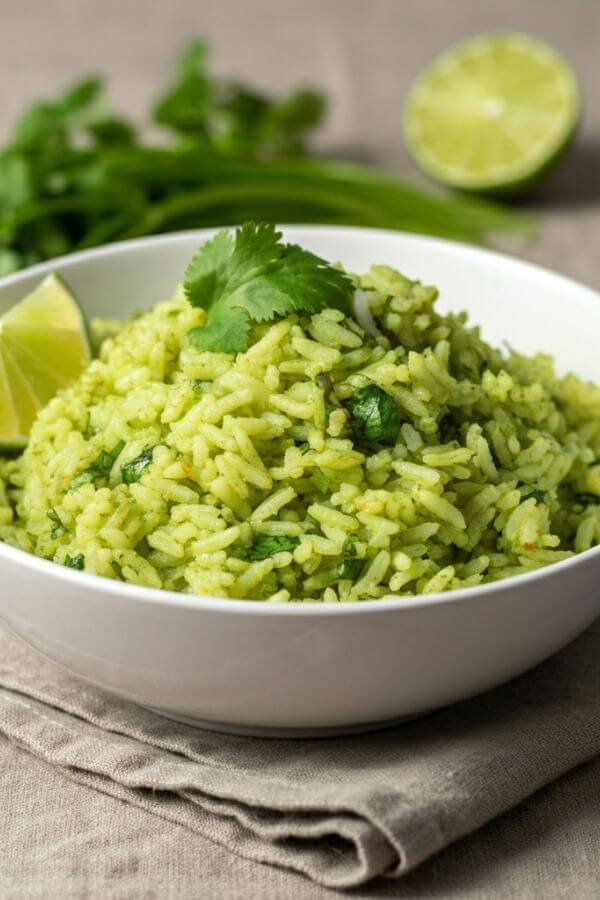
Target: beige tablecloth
(64, 829)
(343, 812)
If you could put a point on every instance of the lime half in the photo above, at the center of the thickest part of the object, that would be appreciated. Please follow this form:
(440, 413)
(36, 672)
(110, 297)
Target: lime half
(492, 113)
(43, 347)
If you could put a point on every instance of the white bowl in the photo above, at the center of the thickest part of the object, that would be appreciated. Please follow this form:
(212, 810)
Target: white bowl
(261, 668)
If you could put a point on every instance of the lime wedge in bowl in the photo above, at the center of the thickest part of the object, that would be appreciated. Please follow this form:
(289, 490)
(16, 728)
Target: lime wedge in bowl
(492, 114)
(44, 346)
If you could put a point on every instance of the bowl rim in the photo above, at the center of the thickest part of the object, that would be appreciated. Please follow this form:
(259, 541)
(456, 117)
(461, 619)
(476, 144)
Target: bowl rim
(157, 596)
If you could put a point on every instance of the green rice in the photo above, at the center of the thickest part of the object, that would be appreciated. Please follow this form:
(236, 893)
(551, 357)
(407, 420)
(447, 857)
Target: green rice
(246, 477)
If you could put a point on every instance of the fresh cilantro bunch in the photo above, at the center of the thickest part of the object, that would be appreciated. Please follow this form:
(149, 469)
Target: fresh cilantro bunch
(233, 118)
(74, 175)
(254, 277)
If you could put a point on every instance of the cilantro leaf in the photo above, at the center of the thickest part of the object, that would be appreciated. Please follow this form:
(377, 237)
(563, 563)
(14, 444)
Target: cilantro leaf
(81, 98)
(586, 498)
(75, 562)
(254, 277)
(132, 470)
(59, 527)
(227, 331)
(244, 122)
(99, 468)
(285, 123)
(268, 546)
(16, 188)
(373, 415)
(348, 569)
(184, 107)
(538, 496)
(112, 131)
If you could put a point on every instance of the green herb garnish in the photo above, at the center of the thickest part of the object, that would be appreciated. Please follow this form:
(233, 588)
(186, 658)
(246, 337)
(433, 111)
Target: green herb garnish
(254, 277)
(348, 570)
(586, 498)
(268, 546)
(349, 546)
(59, 528)
(200, 387)
(538, 496)
(98, 468)
(132, 470)
(373, 415)
(75, 562)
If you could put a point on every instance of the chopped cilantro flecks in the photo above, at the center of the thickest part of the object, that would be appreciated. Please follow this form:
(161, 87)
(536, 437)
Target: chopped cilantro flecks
(200, 387)
(132, 470)
(75, 562)
(538, 496)
(349, 546)
(59, 528)
(587, 499)
(348, 569)
(268, 546)
(254, 277)
(98, 468)
(373, 415)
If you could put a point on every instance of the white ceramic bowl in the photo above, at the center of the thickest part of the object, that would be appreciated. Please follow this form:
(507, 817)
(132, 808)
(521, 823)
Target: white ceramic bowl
(315, 669)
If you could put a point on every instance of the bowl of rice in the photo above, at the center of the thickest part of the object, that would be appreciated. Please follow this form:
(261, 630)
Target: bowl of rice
(345, 516)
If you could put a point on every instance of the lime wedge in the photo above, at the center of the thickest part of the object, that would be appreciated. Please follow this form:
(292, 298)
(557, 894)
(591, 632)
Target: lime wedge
(492, 113)
(43, 347)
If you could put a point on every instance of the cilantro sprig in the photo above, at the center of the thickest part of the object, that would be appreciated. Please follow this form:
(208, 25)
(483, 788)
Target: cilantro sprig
(75, 562)
(132, 471)
(254, 277)
(58, 528)
(99, 468)
(268, 546)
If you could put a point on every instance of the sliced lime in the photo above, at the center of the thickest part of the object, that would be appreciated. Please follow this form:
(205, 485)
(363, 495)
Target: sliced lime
(491, 113)
(43, 347)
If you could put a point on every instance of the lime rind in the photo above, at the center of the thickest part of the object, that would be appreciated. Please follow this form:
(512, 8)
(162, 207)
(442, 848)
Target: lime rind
(480, 100)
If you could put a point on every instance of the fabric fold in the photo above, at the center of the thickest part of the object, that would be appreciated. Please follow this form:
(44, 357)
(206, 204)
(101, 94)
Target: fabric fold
(342, 811)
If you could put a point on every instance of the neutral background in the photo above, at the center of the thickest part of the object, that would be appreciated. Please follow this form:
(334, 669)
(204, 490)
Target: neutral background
(363, 53)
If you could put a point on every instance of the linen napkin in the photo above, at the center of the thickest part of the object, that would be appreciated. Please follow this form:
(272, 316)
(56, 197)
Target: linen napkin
(342, 811)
